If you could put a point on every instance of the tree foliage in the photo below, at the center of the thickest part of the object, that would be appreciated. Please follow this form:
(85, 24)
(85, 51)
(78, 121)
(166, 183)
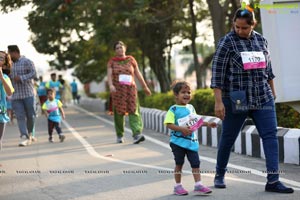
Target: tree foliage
(80, 33)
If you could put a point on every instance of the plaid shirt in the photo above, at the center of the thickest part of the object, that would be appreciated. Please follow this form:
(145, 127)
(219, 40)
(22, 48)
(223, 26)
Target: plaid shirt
(24, 68)
(228, 73)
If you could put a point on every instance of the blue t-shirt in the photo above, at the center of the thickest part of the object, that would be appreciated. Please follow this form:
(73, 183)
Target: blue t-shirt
(57, 86)
(52, 108)
(74, 86)
(175, 113)
(41, 90)
(3, 104)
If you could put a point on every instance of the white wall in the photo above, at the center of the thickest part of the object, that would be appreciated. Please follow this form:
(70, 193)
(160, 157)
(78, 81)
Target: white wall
(281, 27)
(98, 87)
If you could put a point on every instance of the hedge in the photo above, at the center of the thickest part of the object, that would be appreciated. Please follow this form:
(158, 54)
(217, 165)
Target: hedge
(203, 101)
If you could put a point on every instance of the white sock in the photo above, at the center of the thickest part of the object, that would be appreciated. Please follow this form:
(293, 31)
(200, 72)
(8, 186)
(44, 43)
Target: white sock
(198, 183)
(177, 184)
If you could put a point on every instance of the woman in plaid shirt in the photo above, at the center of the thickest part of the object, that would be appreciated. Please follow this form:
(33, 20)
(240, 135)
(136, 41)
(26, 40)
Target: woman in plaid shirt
(241, 66)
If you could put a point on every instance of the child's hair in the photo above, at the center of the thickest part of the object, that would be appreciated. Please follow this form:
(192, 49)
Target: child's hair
(51, 90)
(177, 85)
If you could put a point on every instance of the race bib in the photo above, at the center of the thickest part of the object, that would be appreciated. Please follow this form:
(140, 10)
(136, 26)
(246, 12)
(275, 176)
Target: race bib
(125, 79)
(193, 121)
(253, 60)
(52, 106)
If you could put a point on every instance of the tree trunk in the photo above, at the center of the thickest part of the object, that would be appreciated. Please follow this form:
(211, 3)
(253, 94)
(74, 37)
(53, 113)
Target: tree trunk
(169, 58)
(198, 68)
(219, 14)
(218, 19)
(158, 66)
(143, 66)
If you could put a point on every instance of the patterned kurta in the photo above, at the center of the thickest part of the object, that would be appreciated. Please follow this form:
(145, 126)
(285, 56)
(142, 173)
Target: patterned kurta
(125, 97)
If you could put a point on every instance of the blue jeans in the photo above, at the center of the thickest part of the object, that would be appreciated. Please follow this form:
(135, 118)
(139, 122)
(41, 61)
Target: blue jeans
(25, 113)
(266, 125)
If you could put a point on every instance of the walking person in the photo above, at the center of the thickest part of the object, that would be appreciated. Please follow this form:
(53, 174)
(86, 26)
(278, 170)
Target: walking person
(182, 119)
(121, 71)
(6, 89)
(53, 109)
(42, 91)
(74, 89)
(242, 80)
(23, 102)
(63, 90)
(53, 83)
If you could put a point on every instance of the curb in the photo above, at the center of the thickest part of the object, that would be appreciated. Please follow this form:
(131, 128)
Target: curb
(248, 141)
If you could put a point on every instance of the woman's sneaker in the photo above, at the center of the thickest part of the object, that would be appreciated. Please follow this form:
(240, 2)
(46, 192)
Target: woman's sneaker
(201, 189)
(278, 187)
(219, 181)
(138, 138)
(120, 140)
(179, 190)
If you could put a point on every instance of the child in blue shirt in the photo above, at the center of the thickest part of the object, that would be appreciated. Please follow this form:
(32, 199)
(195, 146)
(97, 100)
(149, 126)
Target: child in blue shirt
(182, 119)
(54, 111)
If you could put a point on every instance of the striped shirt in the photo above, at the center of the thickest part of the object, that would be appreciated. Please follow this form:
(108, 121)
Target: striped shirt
(228, 73)
(24, 68)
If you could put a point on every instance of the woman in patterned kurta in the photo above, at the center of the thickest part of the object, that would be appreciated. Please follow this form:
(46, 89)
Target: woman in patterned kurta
(121, 71)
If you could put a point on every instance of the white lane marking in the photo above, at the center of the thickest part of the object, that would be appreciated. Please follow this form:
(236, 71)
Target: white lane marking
(92, 151)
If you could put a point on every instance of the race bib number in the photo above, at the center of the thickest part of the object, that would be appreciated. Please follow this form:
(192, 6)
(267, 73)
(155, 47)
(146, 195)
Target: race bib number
(52, 106)
(253, 60)
(193, 121)
(125, 79)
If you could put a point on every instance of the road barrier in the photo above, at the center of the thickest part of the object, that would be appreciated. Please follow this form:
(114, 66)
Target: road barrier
(248, 142)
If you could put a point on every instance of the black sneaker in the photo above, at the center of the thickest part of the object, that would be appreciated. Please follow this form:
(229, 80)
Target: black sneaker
(219, 181)
(138, 138)
(62, 138)
(278, 187)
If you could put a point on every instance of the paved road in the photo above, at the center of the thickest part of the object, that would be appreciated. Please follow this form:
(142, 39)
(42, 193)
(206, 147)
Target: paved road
(90, 165)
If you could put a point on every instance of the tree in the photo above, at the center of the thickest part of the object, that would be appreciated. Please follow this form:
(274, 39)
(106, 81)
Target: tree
(221, 15)
(197, 66)
(80, 34)
(153, 23)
